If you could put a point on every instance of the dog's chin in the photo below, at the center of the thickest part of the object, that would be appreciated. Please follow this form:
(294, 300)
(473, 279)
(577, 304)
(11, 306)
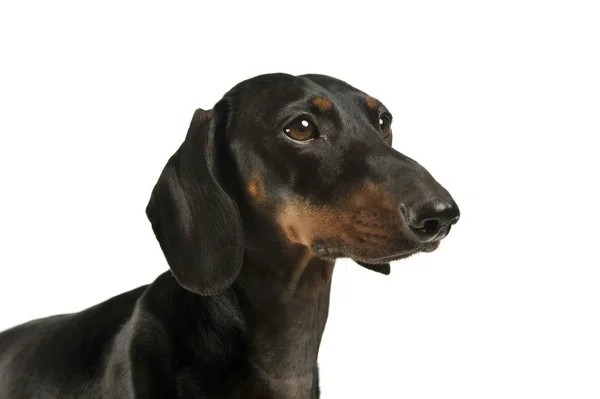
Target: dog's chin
(334, 253)
(382, 264)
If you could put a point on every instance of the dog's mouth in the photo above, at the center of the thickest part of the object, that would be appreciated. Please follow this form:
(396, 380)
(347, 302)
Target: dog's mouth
(332, 253)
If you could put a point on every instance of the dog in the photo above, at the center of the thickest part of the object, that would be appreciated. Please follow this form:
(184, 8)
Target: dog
(282, 177)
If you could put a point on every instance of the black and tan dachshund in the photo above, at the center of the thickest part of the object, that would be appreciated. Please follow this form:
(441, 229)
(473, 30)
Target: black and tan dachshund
(282, 177)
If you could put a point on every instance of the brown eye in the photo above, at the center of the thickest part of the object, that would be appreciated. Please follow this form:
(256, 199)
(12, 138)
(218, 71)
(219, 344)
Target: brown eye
(385, 124)
(301, 130)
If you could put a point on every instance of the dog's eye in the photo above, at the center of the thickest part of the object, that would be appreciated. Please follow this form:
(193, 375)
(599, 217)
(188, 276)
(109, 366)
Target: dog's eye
(301, 130)
(385, 124)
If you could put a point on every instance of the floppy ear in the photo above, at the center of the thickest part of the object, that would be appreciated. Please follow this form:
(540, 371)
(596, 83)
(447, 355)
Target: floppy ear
(196, 223)
(383, 268)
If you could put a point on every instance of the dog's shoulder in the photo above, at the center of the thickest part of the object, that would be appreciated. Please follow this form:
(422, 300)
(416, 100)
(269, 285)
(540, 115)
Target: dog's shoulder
(178, 343)
(67, 348)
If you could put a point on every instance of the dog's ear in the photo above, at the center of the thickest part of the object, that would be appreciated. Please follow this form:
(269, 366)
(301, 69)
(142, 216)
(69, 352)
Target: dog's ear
(383, 268)
(195, 221)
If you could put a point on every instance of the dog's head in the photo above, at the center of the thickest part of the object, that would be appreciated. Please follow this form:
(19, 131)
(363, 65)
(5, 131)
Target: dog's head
(312, 156)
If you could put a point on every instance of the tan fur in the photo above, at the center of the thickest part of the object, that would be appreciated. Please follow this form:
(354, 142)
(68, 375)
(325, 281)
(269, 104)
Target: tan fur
(324, 104)
(372, 103)
(367, 212)
(368, 217)
(256, 188)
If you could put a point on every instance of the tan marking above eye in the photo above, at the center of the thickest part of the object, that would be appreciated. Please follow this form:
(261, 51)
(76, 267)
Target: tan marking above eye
(323, 104)
(301, 130)
(372, 103)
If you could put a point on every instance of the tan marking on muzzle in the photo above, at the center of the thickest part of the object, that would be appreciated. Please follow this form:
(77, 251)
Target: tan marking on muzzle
(372, 195)
(302, 221)
(324, 104)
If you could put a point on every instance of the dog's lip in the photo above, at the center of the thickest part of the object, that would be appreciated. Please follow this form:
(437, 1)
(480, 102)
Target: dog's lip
(331, 252)
(391, 258)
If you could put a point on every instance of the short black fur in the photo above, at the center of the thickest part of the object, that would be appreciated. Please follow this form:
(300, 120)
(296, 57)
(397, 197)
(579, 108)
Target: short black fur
(250, 223)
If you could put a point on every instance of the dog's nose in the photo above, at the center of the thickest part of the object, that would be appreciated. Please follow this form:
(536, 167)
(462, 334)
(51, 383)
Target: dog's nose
(431, 220)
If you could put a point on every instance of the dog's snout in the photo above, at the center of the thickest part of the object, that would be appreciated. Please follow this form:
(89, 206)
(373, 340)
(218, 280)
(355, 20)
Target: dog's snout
(431, 220)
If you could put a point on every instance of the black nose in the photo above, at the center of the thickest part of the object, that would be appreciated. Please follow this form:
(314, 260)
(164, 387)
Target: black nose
(431, 220)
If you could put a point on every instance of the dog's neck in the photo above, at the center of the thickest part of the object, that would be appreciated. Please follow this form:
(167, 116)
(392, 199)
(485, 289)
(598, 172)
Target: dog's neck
(286, 301)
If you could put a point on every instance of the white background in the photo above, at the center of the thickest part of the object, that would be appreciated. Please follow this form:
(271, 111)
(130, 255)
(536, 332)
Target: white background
(499, 100)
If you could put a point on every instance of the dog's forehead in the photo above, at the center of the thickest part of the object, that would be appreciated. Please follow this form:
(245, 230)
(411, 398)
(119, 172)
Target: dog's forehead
(333, 85)
(344, 96)
(277, 90)
(271, 87)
